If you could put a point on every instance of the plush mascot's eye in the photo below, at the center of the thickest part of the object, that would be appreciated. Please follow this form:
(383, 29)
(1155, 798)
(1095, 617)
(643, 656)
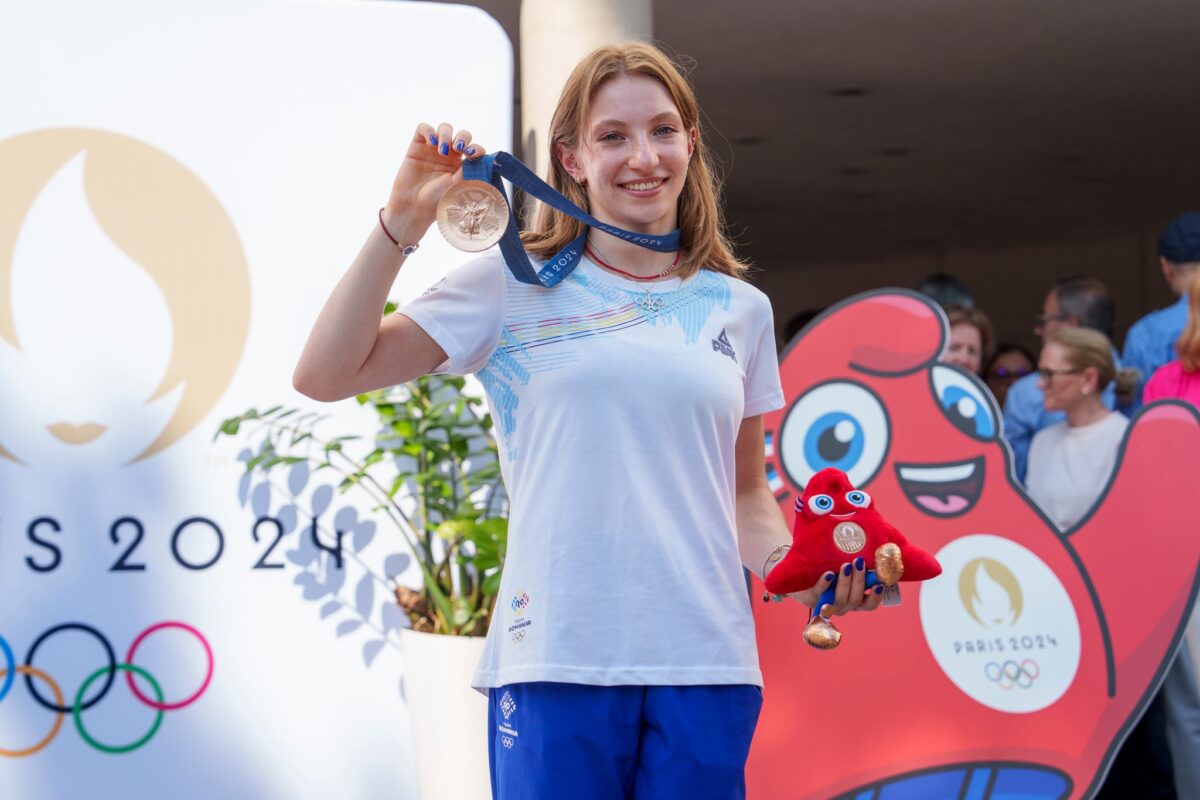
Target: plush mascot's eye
(964, 403)
(821, 503)
(857, 498)
(837, 424)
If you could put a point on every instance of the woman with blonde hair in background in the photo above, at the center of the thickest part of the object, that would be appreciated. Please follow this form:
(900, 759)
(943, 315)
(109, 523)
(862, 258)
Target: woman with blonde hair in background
(621, 661)
(1071, 462)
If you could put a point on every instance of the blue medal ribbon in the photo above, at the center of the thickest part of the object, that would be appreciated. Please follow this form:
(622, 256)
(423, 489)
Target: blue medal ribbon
(494, 168)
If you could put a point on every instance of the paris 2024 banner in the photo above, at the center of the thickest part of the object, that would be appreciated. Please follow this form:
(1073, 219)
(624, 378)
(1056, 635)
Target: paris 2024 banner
(1020, 669)
(181, 186)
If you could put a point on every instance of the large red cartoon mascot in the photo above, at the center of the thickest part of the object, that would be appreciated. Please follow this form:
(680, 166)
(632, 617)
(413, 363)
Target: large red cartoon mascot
(1019, 670)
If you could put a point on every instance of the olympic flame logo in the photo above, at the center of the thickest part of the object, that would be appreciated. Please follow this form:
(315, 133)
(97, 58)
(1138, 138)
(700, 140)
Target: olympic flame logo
(108, 672)
(990, 592)
(87, 212)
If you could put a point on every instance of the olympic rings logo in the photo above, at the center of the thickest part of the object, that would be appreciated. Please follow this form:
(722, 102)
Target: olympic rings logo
(1010, 673)
(108, 672)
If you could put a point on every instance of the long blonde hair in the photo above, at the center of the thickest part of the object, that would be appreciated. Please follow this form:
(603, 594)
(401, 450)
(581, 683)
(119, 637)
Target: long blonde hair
(1188, 345)
(701, 225)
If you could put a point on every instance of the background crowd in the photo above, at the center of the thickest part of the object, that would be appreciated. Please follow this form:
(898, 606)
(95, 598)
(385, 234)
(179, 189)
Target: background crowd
(1065, 413)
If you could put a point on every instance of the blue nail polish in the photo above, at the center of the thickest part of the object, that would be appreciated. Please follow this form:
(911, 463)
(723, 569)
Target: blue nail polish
(432, 139)
(829, 577)
(879, 589)
(458, 146)
(445, 149)
(846, 570)
(858, 563)
(471, 151)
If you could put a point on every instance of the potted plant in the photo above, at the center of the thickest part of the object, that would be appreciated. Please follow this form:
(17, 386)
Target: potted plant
(432, 474)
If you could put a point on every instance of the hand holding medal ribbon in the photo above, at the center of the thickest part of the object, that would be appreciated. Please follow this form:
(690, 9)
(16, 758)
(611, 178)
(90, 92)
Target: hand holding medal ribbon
(475, 214)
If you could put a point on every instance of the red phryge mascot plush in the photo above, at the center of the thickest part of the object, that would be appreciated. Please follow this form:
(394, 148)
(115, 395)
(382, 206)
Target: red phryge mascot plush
(835, 524)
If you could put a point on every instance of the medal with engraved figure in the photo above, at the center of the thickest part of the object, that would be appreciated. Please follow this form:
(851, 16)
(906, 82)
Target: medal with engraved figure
(849, 537)
(472, 215)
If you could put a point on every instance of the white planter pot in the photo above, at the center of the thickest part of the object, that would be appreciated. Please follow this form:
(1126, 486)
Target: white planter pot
(449, 718)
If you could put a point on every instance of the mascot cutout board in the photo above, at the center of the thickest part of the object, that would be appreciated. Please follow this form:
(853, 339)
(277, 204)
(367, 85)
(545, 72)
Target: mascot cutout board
(1020, 669)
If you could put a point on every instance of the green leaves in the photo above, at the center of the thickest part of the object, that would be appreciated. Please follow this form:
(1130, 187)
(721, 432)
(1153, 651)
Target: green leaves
(434, 451)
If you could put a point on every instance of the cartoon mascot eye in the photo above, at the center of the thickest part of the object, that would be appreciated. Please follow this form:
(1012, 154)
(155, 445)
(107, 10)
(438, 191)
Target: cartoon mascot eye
(821, 503)
(857, 498)
(837, 424)
(964, 403)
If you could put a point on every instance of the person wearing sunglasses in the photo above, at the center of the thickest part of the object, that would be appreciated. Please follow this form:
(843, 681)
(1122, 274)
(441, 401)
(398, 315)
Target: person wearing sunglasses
(1070, 461)
(1010, 363)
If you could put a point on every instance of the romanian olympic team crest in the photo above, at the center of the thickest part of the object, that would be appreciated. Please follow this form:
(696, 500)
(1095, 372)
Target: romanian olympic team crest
(45, 690)
(1022, 667)
(520, 623)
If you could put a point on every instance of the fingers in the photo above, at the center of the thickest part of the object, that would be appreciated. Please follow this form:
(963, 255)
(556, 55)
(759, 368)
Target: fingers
(872, 600)
(460, 142)
(446, 141)
(811, 595)
(851, 587)
(444, 136)
(425, 133)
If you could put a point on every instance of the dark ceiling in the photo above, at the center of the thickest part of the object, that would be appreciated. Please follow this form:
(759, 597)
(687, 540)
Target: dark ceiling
(863, 129)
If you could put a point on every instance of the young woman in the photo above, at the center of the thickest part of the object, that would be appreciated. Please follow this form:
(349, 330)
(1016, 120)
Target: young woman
(621, 659)
(1070, 462)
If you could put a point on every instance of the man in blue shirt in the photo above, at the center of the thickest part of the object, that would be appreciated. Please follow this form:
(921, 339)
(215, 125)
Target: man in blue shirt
(1072, 302)
(1150, 343)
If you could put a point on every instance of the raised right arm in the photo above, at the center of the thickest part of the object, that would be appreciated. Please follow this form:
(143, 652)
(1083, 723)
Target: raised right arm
(350, 350)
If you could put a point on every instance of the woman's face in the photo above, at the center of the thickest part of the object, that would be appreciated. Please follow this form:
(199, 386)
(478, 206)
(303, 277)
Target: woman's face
(1062, 385)
(1004, 372)
(965, 348)
(632, 155)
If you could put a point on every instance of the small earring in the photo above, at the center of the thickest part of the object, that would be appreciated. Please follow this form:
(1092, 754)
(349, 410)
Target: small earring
(1086, 390)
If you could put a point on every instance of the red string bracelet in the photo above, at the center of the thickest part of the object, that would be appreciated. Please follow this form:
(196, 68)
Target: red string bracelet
(405, 249)
(386, 232)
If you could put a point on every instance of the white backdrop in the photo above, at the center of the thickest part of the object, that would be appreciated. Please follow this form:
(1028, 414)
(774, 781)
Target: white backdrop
(181, 184)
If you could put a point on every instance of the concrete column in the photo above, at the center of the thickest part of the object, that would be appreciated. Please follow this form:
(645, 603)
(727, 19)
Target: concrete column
(555, 34)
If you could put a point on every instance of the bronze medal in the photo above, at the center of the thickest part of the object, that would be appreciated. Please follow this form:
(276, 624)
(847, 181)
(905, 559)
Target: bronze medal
(849, 537)
(472, 215)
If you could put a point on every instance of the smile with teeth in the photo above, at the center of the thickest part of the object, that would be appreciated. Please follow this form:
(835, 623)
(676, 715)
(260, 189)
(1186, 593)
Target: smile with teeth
(643, 186)
(942, 490)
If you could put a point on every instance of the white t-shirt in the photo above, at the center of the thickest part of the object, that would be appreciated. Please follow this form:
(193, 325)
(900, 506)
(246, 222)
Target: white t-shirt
(616, 427)
(1069, 467)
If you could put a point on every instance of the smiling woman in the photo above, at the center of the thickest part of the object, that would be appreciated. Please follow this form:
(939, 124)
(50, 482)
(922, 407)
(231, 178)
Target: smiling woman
(628, 400)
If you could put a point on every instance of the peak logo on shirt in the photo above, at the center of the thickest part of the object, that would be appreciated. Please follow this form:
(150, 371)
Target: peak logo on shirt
(721, 345)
